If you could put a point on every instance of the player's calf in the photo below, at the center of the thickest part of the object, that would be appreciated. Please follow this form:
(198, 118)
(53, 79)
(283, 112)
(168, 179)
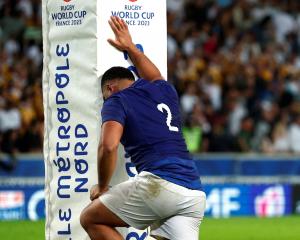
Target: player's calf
(99, 222)
(98, 231)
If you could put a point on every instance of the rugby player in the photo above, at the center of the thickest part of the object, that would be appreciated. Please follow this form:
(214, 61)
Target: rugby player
(144, 116)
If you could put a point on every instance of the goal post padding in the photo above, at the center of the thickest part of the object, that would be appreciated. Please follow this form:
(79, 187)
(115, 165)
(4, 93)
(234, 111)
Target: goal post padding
(76, 54)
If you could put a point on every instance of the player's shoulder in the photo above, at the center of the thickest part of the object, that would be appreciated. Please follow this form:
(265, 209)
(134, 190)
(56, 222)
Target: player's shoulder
(115, 100)
(144, 83)
(114, 97)
(166, 87)
(139, 83)
(156, 87)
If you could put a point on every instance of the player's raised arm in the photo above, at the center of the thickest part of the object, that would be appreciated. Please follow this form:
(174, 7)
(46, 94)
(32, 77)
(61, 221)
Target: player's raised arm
(123, 42)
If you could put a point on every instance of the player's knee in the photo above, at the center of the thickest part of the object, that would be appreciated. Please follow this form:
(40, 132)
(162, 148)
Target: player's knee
(84, 219)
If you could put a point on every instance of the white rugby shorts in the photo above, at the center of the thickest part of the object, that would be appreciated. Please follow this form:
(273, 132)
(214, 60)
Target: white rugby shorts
(172, 211)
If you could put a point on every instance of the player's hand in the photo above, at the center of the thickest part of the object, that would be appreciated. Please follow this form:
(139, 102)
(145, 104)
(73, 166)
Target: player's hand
(96, 192)
(123, 40)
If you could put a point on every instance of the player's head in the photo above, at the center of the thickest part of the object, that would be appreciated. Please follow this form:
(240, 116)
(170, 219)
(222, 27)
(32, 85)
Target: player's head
(114, 80)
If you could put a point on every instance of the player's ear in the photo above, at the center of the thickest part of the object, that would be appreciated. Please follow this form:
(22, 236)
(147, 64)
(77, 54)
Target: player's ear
(113, 86)
(110, 87)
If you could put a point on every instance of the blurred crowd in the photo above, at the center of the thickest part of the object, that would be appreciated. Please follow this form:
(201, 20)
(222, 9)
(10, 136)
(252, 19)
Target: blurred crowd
(21, 109)
(235, 64)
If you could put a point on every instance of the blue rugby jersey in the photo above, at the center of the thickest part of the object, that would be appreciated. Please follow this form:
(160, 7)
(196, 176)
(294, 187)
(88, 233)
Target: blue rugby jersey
(152, 137)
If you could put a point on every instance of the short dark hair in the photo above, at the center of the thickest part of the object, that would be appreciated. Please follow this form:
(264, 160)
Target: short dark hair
(116, 73)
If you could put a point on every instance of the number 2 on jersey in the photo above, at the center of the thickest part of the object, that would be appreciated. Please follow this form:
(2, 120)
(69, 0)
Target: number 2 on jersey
(161, 107)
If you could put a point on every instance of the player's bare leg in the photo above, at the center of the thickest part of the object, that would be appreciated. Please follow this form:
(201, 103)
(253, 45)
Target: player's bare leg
(99, 222)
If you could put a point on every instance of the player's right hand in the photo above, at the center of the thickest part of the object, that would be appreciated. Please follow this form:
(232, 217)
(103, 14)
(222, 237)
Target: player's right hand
(96, 192)
(123, 40)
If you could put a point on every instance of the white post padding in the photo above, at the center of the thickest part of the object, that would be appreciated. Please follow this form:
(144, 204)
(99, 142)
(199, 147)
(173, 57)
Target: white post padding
(147, 24)
(76, 54)
(71, 102)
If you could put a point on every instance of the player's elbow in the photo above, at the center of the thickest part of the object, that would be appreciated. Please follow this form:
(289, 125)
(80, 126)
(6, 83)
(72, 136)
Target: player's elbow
(109, 148)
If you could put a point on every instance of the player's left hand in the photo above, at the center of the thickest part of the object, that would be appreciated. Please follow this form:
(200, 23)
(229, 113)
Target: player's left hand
(96, 191)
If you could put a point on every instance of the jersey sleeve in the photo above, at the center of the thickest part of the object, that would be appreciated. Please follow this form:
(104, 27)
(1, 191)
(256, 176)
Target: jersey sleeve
(113, 110)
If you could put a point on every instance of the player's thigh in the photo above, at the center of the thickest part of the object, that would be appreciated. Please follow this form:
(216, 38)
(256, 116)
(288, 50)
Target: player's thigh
(97, 213)
(178, 228)
(169, 199)
(127, 202)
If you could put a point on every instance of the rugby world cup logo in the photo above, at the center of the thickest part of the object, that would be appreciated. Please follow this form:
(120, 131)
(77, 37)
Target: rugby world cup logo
(67, 1)
(132, 0)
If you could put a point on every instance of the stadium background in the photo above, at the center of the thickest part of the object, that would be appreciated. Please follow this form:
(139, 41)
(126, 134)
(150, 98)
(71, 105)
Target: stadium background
(236, 67)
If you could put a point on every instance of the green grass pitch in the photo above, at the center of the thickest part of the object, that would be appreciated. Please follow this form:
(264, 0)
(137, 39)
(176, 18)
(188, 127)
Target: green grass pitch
(285, 228)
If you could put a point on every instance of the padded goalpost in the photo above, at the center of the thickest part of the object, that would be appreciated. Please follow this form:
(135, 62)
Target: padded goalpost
(76, 54)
